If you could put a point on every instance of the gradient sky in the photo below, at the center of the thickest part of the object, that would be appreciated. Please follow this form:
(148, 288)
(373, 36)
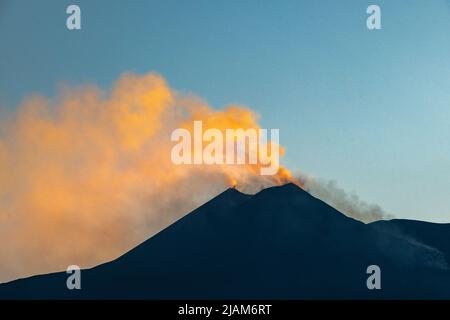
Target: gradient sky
(369, 109)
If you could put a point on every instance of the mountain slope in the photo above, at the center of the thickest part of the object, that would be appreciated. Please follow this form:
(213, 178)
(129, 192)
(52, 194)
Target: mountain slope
(432, 235)
(279, 243)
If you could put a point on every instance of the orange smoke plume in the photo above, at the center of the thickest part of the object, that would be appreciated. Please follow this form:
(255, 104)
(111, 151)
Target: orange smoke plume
(88, 175)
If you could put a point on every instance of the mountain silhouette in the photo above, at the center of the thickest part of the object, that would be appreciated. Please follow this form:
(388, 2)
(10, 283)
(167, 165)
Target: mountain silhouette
(281, 243)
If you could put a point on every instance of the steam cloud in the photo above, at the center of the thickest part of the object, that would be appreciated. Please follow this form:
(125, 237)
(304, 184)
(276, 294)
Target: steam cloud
(349, 204)
(86, 176)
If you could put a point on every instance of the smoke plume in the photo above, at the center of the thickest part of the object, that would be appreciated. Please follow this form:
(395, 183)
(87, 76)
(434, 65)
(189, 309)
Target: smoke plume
(87, 175)
(347, 203)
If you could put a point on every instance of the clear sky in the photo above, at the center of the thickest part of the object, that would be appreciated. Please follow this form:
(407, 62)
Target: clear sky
(369, 109)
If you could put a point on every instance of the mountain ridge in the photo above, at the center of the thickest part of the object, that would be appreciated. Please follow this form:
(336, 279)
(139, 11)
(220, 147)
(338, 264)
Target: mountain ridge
(279, 243)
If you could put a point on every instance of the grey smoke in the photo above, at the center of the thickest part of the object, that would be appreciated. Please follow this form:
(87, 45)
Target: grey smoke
(347, 203)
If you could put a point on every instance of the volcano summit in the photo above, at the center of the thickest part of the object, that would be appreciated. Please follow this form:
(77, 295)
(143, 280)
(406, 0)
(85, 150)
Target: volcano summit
(279, 243)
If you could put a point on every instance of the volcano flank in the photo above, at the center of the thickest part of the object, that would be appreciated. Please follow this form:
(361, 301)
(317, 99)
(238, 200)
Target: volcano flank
(281, 243)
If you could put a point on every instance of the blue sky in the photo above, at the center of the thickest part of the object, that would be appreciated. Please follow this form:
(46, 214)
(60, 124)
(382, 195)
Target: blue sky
(369, 109)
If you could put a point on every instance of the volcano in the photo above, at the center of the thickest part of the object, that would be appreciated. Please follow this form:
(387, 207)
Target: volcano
(281, 243)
